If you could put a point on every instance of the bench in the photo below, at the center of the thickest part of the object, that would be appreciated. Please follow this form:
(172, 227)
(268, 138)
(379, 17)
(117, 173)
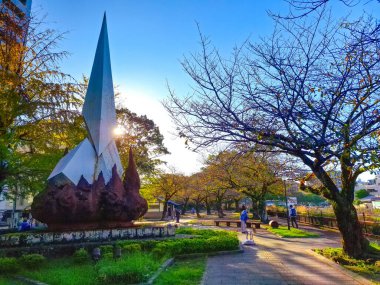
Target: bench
(237, 222)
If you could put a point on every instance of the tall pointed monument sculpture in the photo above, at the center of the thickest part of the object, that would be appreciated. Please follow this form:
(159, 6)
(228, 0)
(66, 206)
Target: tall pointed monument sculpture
(85, 189)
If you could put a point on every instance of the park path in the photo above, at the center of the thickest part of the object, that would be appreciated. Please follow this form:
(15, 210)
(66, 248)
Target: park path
(279, 261)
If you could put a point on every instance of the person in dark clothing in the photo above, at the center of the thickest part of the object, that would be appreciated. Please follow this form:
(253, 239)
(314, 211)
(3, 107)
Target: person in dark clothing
(177, 214)
(25, 226)
(169, 212)
(293, 216)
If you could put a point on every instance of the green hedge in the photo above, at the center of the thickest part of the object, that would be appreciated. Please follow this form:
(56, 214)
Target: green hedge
(132, 248)
(81, 256)
(8, 265)
(32, 261)
(204, 241)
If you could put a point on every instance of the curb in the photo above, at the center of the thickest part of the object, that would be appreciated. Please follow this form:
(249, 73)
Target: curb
(29, 281)
(355, 276)
(170, 261)
(165, 265)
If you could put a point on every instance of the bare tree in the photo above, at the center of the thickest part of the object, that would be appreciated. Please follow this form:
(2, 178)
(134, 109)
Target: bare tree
(311, 91)
(303, 8)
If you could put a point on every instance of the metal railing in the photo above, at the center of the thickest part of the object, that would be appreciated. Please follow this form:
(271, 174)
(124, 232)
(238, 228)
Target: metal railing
(371, 224)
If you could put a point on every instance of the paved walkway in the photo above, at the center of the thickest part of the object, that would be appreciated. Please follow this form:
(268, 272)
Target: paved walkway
(280, 261)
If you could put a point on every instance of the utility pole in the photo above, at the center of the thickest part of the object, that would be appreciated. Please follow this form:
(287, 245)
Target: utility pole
(13, 222)
(286, 203)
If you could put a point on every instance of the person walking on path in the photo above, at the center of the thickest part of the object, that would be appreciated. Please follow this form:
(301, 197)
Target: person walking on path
(169, 214)
(293, 216)
(243, 219)
(177, 214)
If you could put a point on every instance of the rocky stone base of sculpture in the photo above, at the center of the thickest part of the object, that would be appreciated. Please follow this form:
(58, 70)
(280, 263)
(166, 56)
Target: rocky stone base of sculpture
(86, 206)
(38, 239)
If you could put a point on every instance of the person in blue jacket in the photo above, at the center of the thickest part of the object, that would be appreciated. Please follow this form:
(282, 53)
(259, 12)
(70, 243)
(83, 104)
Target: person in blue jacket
(25, 226)
(293, 216)
(243, 219)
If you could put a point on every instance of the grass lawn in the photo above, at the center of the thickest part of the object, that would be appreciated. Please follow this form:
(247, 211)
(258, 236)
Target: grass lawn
(283, 231)
(132, 268)
(63, 271)
(183, 272)
(368, 267)
(200, 222)
(139, 261)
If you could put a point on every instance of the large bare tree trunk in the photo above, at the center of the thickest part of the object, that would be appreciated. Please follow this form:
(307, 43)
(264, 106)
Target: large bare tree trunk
(354, 242)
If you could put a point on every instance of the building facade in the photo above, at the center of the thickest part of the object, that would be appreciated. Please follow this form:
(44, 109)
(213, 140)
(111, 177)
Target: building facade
(21, 8)
(373, 186)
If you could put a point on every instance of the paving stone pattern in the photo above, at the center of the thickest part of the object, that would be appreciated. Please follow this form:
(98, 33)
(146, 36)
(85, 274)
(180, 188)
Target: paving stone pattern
(278, 261)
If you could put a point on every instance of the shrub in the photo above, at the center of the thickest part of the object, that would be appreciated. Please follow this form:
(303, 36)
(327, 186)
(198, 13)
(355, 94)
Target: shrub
(32, 261)
(362, 193)
(108, 255)
(8, 265)
(147, 245)
(106, 249)
(215, 241)
(135, 269)
(80, 256)
(204, 233)
(132, 247)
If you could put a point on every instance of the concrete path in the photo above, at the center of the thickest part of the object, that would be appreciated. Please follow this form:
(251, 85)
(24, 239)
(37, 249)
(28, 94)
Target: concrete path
(280, 261)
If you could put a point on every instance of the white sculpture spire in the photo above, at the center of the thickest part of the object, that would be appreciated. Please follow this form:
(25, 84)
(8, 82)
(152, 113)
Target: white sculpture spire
(99, 105)
(98, 153)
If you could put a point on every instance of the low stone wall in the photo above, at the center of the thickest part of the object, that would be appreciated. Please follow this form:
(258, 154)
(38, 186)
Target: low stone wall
(68, 237)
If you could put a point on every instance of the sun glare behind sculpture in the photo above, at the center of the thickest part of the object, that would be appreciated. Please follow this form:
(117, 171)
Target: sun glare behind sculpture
(119, 131)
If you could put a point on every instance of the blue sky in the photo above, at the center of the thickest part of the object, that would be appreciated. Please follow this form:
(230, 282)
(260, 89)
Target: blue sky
(148, 38)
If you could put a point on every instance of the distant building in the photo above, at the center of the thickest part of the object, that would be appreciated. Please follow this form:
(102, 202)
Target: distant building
(360, 185)
(373, 186)
(20, 204)
(20, 8)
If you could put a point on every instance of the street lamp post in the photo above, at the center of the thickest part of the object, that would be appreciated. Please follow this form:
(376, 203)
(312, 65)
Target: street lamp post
(286, 204)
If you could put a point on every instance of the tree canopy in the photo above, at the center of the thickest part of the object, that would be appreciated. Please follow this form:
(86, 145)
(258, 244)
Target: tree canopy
(144, 136)
(310, 90)
(39, 102)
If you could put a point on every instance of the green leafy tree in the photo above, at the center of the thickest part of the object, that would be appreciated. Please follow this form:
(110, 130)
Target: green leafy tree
(362, 193)
(256, 176)
(217, 177)
(39, 102)
(198, 194)
(164, 186)
(144, 137)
